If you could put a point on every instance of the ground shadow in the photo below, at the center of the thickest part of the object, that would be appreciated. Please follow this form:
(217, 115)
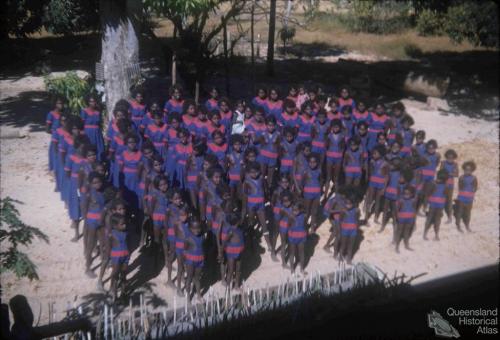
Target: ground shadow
(29, 107)
(311, 50)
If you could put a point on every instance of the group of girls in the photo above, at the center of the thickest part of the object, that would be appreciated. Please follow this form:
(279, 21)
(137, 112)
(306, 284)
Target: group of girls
(182, 173)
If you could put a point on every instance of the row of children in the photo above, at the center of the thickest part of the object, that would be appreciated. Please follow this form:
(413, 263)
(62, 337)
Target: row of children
(260, 158)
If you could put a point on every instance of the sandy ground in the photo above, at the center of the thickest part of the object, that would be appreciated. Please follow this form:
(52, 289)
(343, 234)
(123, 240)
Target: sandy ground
(60, 263)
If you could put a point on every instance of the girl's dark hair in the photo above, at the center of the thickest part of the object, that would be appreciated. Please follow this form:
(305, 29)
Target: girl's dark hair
(408, 118)
(58, 98)
(289, 129)
(182, 131)
(81, 140)
(347, 108)
(287, 103)
(254, 166)
(116, 219)
(213, 113)
(94, 175)
(261, 88)
(199, 146)
(337, 122)
(362, 123)
(314, 155)
(147, 144)
(251, 149)
(211, 158)
(109, 194)
(410, 188)
(224, 100)
(137, 90)
(122, 105)
(381, 134)
(237, 138)
(123, 125)
(270, 119)
(89, 148)
(321, 111)
(158, 178)
(355, 140)
(187, 104)
(217, 133)
(380, 149)
(232, 218)
(286, 193)
(213, 170)
(470, 164)
(450, 153)
(131, 136)
(306, 104)
(420, 133)
(156, 158)
(173, 88)
(157, 113)
(431, 142)
(174, 115)
(398, 106)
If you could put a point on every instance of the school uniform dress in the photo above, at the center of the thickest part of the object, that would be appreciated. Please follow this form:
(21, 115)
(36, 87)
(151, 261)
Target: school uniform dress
(408, 136)
(284, 120)
(391, 191)
(349, 223)
(312, 187)
(226, 119)
(130, 161)
(173, 105)
(438, 200)
(119, 253)
(212, 105)
(450, 167)
(170, 163)
(189, 123)
(353, 169)
(96, 205)
(53, 119)
(429, 171)
(284, 221)
(305, 128)
(258, 102)
(360, 116)
(268, 153)
(321, 134)
(182, 153)
(466, 195)
(137, 111)
(346, 102)
(376, 124)
(297, 232)
(233, 249)
(335, 151)
(159, 137)
(92, 125)
(255, 200)
(348, 125)
(234, 173)
(273, 108)
(180, 241)
(73, 164)
(406, 211)
(288, 158)
(160, 209)
(218, 151)
(193, 172)
(377, 179)
(194, 257)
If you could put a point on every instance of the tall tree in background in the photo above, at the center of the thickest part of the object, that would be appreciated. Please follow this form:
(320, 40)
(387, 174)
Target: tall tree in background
(270, 39)
(120, 46)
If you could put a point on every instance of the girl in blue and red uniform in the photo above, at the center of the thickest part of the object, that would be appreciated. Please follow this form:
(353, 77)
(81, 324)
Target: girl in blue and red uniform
(131, 166)
(301, 163)
(157, 133)
(233, 244)
(433, 159)
(189, 116)
(378, 123)
(467, 187)
(398, 113)
(353, 162)
(349, 225)
(92, 208)
(53, 123)
(391, 196)
(259, 101)
(289, 116)
(450, 165)
(181, 231)
(215, 124)
(297, 236)
(268, 156)
(302, 96)
(218, 147)
(348, 123)
(56, 139)
(226, 115)
(194, 258)
(419, 145)
(288, 150)
(282, 211)
(273, 106)
(335, 147)
(74, 162)
(212, 103)
(92, 124)
(234, 163)
(153, 166)
(174, 125)
(118, 145)
(320, 131)
(183, 149)
(345, 99)
(175, 103)
(148, 116)
(306, 123)
(293, 94)
(201, 122)
(194, 167)
(407, 212)
(377, 180)
(137, 108)
(253, 202)
(119, 113)
(436, 198)
(172, 218)
(332, 112)
(257, 126)
(408, 135)
(119, 255)
(158, 204)
(361, 130)
(210, 197)
(360, 112)
(276, 205)
(311, 189)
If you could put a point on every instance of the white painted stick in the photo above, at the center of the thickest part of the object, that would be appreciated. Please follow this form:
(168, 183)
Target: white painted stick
(175, 310)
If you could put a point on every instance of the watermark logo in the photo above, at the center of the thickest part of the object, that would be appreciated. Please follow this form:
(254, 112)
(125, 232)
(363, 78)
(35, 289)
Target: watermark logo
(441, 327)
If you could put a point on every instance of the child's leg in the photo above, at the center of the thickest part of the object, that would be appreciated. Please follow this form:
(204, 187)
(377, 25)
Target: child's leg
(378, 200)
(194, 199)
(230, 272)
(114, 278)
(265, 231)
(336, 175)
(328, 244)
(429, 221)
(467, 215)
(123, 278)
(308, 209)
(348, 180)
(336, 245)
(370, 193)
(329, 177)
(292, 253)
(350, 248)
(344, 240)
(270, 176)
(189, 280)
(437, 222)
(237, 273)
(459, 215)
(448, 207)
(394, 216)
(91, 243)
(170, 262)
(314, 214)
(180, 274)
(102, 270)
(357, 181)
(283, 238)
(406, 235)
(197, 281)
(399, 235)
(385, 216)
(75, 225)
(302, 256)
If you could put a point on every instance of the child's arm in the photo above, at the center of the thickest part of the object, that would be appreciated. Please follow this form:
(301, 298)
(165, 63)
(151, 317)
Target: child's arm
(85, 204)
(244, 200)
(475, 184)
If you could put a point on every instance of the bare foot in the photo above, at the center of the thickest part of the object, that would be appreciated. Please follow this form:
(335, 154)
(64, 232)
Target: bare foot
(381, 230)
(274, 257)
(100, 287)
(179, 292)
(460, 230)
(170, 284)
(448, 221)
(425, 237)
(468, 229)
(285, 266)
(436, 238)
(90, 274)
(397, 250)
(327, 249)
(75, 238)
(408, 248)
(376, 221)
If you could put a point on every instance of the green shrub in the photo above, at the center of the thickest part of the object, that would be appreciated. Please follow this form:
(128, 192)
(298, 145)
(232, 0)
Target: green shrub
(429, 22)
(476, 22)
(14, 232)
(71, 87)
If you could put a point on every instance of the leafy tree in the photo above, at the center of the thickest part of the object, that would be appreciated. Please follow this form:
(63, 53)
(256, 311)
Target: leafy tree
(14, 232)
(21, 17)
(71, 16)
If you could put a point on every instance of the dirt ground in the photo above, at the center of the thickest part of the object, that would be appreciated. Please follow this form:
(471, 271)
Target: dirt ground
(60, 263)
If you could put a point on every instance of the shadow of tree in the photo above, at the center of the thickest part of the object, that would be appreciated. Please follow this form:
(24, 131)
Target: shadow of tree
(29, 107)
(310, 50)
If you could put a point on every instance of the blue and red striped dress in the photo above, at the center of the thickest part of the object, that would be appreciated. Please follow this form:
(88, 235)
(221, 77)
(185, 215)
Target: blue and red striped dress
(95, 207)
(182, 153)
(158, 135)
(255, 199)
(138, 111)
(53, 121)
(312, 187)
(119, 253)
(391, 191)
(437, 199)
(377, 179)
(349, 222)
(297, 232)
(406, 211)
(288, 157)
(336, 146)
(273, 108)
(466, 194)
(305, 128)
(233, 249)
(353, 167)
(194, 257)
(92, 125)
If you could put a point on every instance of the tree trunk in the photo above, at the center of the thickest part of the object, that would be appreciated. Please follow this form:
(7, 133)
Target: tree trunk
(120, 47)
(252, 47)
(270, 39)
(226, 57)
